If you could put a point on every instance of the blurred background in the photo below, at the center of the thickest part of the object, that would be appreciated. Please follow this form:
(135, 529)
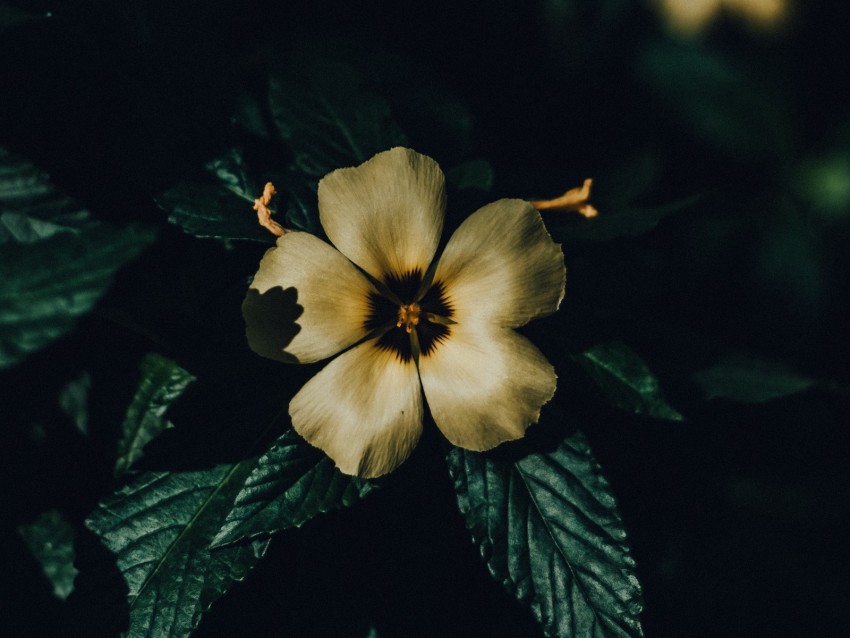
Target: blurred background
(737, 516)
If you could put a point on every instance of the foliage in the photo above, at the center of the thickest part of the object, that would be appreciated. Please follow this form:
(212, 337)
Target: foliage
(722, 181)
(750, 380)
(159, 528)
(51, 540)
(290, 484)
(548, 528)
(162, 382)
(56, 261)
(626, 381)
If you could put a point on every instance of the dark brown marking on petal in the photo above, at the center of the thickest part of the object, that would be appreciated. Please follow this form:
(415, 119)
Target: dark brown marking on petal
(431, 335)
(406, 286)
(398, 341)
(382, 312)
(436, 302)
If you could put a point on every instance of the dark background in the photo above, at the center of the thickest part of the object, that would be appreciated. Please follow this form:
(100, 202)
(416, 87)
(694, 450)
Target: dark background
(737, 516)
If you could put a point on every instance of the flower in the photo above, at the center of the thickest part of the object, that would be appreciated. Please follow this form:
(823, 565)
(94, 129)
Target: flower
(690, 17)
(408, 324)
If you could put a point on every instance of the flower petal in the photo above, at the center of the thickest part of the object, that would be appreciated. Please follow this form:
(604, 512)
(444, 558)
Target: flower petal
(364, 409)
(502, 266)
(485, 385)
(385, 215)
(332, 293)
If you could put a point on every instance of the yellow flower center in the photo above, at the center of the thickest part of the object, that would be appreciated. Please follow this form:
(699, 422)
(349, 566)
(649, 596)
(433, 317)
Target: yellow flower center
(408, 316)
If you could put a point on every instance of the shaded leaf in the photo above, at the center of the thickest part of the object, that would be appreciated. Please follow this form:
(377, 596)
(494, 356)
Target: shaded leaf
(626, 380)
(291, 483)
(628, 180)
(750, 380)
(612, 223)
(428, 110)
(55, 263)
(823, 183)
(720, 102)
(162, 382)
(220, 207)
(302, 208)
(328, 120)
(73, 399)
(11, 17)
(51, 540)
(473, 174)
(548, 529)
(159, 528)
(613, 194)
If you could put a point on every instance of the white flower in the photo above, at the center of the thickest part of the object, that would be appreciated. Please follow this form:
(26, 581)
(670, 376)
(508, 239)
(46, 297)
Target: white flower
(690, 17)
(407, 326)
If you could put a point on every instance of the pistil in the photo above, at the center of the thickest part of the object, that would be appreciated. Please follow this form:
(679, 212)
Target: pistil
(408, 316)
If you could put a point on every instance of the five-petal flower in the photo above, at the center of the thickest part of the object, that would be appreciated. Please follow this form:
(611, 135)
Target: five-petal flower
(408, 324)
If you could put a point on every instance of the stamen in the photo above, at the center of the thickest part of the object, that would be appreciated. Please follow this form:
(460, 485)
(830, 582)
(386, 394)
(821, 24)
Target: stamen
(264, 215)
(574, 199)
(440, 319)
(408, 316)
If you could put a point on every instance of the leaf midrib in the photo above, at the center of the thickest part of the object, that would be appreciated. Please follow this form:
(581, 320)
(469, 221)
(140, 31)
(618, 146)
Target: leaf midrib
(551, 535)
(186, 529)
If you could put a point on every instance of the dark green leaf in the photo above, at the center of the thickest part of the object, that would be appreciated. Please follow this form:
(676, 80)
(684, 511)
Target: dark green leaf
(162, 382)
(302, 211)
(292, 483)
(722, 103)
(548, 529)
(750, 380)
(626, 380)
(220, 207)
(31, 209)
(73, 399)
(328, 120)
(160, 527)
(612, 223)
(426, 109)
(11, 17)
(51, 540)
(823, 183)
(474, 174)
(55, 261)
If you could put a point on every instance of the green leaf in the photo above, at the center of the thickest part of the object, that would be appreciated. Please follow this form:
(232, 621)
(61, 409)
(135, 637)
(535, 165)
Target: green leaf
(626, 380)
(750, 380)
(474, 174)
(721, 102)
(162, 382)
(11, 17)
(55, 262)
(160, 527)
(221, 206)
(51, 540)
(302, 208)
(823, 182)
(291, 483)
(548, 529)
(328, 120)
(612, 222)
(73, 399)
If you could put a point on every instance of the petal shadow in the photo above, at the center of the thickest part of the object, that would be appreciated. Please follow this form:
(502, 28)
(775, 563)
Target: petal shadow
(270, 321)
